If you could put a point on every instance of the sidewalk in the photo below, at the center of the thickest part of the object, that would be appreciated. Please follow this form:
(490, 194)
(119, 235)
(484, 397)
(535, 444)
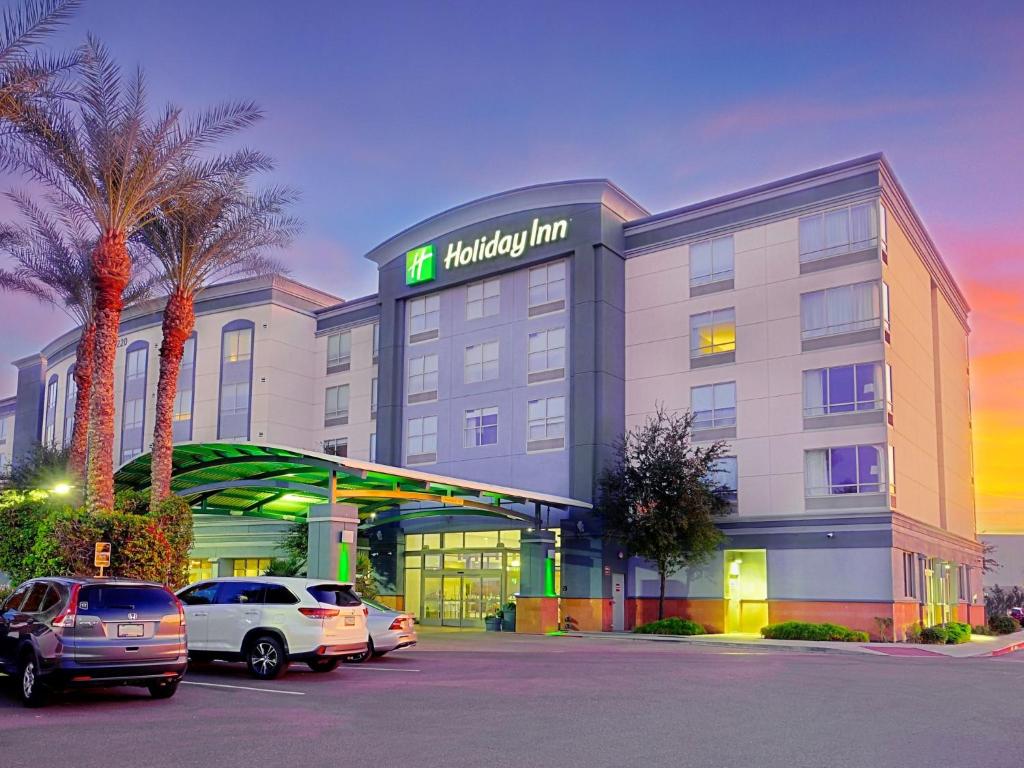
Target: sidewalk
(979, 646)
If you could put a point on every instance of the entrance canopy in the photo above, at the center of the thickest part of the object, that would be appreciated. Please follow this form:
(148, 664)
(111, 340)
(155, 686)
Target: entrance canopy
(282, 483)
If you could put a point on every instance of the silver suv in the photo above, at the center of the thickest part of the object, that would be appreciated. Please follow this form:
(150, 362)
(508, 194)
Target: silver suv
(68, 632)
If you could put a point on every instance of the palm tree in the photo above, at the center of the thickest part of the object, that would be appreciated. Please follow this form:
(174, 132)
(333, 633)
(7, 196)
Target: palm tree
(196, 239)
(52, 262)
(110, 165)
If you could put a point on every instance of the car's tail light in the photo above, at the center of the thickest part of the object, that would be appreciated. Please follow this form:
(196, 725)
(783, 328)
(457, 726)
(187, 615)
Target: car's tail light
(181, 610)
(66, 618)
(398, 623)
(366, 611)
(319, 613)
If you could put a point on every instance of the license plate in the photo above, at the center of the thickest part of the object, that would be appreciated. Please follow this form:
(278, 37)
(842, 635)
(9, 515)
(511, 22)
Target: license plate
(130, 630)
(350, 621)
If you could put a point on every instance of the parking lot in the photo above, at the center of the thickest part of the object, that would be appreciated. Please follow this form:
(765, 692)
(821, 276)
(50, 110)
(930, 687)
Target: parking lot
(473, 699)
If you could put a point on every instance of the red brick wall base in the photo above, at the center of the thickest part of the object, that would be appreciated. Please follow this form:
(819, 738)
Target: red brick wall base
(536, 615)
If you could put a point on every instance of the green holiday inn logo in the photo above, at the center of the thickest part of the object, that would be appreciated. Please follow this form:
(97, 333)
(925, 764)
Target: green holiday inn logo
(420, 265)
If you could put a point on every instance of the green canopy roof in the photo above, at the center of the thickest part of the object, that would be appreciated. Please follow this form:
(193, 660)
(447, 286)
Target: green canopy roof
(279, 482)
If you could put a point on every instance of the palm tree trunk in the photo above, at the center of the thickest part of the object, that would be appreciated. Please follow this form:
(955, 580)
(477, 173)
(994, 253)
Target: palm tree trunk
(111, 269)
(661, 593)
(179, 320)
(83, 385)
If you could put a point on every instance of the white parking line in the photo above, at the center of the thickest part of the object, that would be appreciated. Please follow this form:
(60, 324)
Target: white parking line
(381, 669)
(242, 688)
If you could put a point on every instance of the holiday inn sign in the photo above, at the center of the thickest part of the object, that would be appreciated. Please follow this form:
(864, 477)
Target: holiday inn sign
(421, 263)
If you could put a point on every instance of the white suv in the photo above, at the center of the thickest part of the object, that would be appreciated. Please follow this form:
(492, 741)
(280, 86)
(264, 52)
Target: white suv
(269, 621)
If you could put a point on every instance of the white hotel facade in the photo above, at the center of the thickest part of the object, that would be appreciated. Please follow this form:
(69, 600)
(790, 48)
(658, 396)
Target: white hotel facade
(810, 323)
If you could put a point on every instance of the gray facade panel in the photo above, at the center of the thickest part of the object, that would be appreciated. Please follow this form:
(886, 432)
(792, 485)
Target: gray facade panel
(841, 340)
(842, 260)
(28, 420)
(833, 420)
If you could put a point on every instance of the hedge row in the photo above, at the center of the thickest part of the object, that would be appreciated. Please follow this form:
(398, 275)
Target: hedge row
(802, 630)
(670, 626)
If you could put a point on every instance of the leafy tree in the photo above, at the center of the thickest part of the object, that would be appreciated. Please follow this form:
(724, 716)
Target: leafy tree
(296, 546)
(999, 600)
(41, 469)
(366, 578)
(658, 496)
(197, 238)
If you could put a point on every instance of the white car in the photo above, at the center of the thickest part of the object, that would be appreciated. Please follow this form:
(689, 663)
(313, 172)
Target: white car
(268, 622)
(389, 631)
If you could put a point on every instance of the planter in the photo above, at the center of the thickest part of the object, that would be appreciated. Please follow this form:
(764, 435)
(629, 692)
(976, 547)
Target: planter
(508, 620)
(492, 624)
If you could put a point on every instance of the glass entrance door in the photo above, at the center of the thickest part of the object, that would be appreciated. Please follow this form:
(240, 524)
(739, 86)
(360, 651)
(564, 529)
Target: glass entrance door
(461, 600)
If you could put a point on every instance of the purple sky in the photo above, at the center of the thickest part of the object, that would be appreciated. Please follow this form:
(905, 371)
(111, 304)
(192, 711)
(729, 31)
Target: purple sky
(385, 113)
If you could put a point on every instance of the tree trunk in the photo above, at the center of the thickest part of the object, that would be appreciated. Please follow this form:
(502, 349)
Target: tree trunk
(83, 386)
(179, 320)
(661, 593)
(111, 269)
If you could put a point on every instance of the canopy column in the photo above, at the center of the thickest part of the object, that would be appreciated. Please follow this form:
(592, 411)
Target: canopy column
(537, 604)
(332, 539)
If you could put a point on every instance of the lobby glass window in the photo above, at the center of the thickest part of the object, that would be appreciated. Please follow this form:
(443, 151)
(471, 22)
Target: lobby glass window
(339, 351)
(422, 436)
(713, 332)
(481, 362)
(237, 345)
(909, 574)
(234, 400)
(840, 230)
(250, 566)
(842, 309)
(376, 341)
(724, 477)
(483, 299)
(336, 402)
(135, 364)
(843, 389)
(547, 284)
(963, 584)
(711, 261)
(373, 398)
(480, 427)
(50, 419)
(425, 314)
(845, 469)
(714, 405)
(546, 418)
(422, 374)
(337, 446)
(70, 401)
(546, 350)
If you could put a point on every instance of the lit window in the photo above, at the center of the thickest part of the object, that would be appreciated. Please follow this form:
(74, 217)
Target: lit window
(422, 436)
(843, 389)
(842, 309)
(845, 469)
(423, 374)
(251, 566)
(546, 418)
(711, 261)
(723, 477)
(425, 314)
(234, 399)
(336, 402)
(714, 405)
(841, 230)
(238, 345)
(713, 332)
(199, 570)
(337, 446)
(547, 350)
(481, 427)
(547, 284)
(135, 364)
(483, 299)
(339, 349)
(481, 362)
(182, 405)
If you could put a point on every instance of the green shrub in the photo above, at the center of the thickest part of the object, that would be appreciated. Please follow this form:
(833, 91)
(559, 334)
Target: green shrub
(5, 592)
(981, 629)
(671, 626)
(802, 630)
(957, 632)
(936, 635)
(1004, 625)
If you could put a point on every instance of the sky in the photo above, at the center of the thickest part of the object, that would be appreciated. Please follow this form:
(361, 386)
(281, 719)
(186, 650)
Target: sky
(382, 114)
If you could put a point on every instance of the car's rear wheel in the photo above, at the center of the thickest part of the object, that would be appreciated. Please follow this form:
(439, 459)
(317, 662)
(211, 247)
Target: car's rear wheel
(360, 658)
(323, 665)
(266, 657)
(163, 690)
(32, 691)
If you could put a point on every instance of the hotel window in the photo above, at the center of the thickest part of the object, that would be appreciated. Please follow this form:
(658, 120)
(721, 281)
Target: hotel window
(337, 446)
(843, 309)
(546, 354)
(963, 583)
(50, 420)
(423, 378)
(713, 332)
(843, 389)
(841, 230)
(480, 427)
(711, 261)
(547, 288)
(3, 430)
(134, 413)
(373, 398)
(421, 436)
(888, 387)
(182, 406)
(424, 317)
(339, 352)
(199, 570)
(234, 400)
(184, 396)
(70, 401)
(376, 342)
(909, 574)
(481, 362)
(546, 423)
(135, 363)
(483, 299)
(714, 405)
(251, 566)
(237, 345)
(336, 405)
(724, 478)
(373, 446)
(844, 470)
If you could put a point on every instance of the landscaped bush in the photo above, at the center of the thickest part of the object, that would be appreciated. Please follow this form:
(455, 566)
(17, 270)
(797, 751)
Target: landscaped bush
(1004, 625)
(981, 629)
(671, 626)
(936, 635)
(957, 632)
(802, 630)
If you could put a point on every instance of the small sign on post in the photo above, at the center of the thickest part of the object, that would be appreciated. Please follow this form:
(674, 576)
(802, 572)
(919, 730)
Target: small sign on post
(101, 559)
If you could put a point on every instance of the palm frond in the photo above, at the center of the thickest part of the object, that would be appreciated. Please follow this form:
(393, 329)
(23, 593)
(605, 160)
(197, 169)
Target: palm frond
(29, 24)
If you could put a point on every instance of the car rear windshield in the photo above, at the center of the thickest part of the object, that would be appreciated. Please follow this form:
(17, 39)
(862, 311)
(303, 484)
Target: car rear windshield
(103, 599)
(334, 594)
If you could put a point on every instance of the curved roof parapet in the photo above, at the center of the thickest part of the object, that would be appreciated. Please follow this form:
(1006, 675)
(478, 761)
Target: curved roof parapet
(282, 483)
(548, 195)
